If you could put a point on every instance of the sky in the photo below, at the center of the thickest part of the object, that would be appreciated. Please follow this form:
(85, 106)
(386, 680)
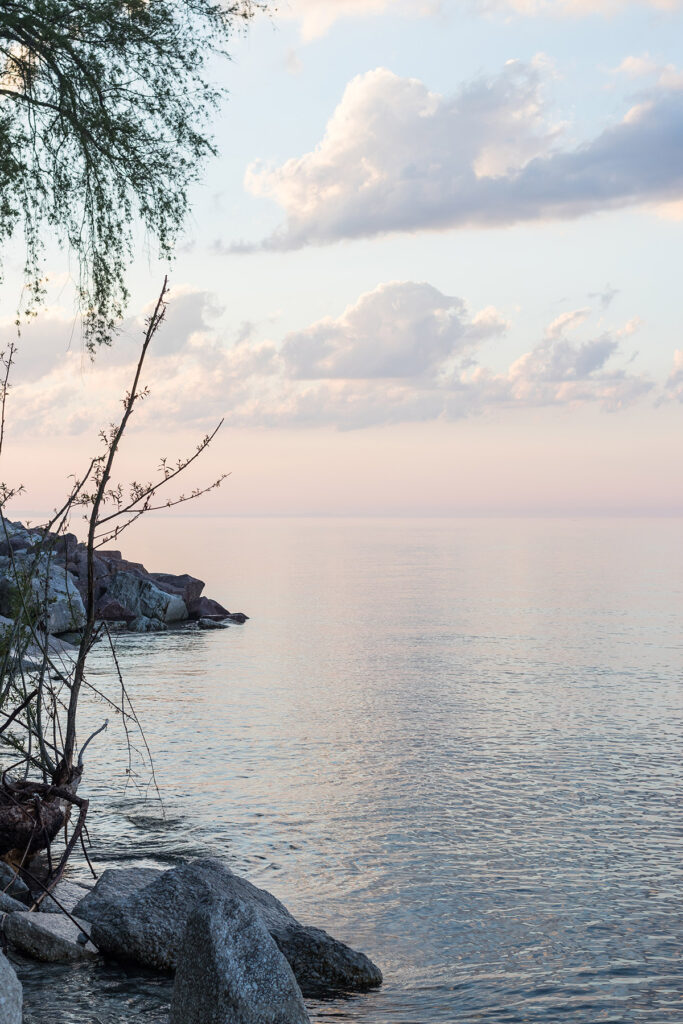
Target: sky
(433, 271)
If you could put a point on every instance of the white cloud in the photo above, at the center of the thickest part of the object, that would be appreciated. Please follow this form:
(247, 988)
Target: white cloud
(566, 322)
(404, 352)
(398, 330)
(317, 16)
(668, 76)
(674, 385)
(397, 157)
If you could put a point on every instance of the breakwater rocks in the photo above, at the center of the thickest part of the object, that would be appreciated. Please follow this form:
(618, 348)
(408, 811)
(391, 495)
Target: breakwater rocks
(53, 569)
(238, 955)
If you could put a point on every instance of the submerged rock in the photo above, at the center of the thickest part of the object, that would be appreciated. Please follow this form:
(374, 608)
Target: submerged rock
(212, 624)
(11, 993)
(146, 926)
(52, 938)
(231, 972)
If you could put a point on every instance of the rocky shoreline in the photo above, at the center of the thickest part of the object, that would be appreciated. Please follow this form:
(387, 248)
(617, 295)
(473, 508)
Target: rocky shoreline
(127, 595)
(238, 955)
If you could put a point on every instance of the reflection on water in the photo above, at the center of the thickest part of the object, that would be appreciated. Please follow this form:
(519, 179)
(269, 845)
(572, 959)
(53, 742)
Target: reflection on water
(454, 745)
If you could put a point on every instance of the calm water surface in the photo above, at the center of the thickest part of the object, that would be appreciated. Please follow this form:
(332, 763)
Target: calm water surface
(454, 744)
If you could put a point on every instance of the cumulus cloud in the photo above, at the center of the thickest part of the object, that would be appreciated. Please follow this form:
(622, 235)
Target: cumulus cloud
(397, 157)
(398, 330)
(403, 352)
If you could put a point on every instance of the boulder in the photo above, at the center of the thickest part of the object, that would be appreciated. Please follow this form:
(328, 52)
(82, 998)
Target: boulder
(100, 574)
(65, 608)
(231, 972)
(205, 608)
(112, 611)
(142, 624)
(115, 563)
(11, 994)
(146, 926)
(212, 624)
(41, 580)
(238, 617)
(8, 905)
(188, 587)
(115, 885)
(12, 885)
(69, 895)
(52, 938)
(142, 597)
(66, 546)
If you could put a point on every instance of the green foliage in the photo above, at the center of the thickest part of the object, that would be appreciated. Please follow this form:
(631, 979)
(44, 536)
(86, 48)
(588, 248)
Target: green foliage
(104, 121)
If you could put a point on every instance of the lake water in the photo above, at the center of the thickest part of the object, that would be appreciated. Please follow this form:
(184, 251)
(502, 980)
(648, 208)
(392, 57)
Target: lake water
(454, 744)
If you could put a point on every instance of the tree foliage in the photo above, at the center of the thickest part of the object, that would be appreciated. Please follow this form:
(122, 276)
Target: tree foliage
(104, 121)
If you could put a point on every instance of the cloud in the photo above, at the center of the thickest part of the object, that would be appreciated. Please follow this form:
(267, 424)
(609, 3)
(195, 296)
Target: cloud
(316, 17)
(668, 76)
(403, 352)
(397, 157)
(398, 330)
(674, 385)
(566, 322)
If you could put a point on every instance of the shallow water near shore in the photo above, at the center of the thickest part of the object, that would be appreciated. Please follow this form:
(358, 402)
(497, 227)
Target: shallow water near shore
(454, 744)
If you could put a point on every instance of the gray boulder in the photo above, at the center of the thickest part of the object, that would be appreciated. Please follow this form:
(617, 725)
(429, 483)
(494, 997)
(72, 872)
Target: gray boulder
(231, 972)
(212, 624)
(141, 624)
(32, 653)
(113, 611)
(65, 608)
(115, 885)
(42, 582)
(12, 885)
(11, 995)
(206, 608)
(144, 598)
(52, 938)
(69, 895)
(188, 587)
(146, 926)
(8, 905)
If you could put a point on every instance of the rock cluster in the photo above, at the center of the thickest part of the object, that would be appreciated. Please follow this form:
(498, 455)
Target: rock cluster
(55, 567)
(238, 954)
(142, 918)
